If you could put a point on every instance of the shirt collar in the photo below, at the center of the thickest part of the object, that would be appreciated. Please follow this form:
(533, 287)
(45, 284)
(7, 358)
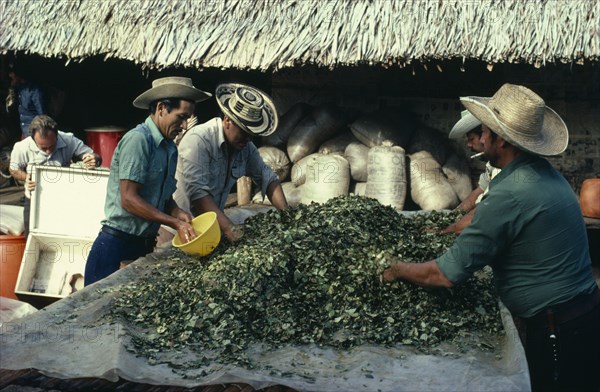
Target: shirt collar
(512, 166)
(221, 135)
(154, 131)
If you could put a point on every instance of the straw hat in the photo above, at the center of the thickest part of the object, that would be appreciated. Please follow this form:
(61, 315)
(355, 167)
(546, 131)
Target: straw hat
(467, 123)
(170, 87)
(249, 108)
(521, 117)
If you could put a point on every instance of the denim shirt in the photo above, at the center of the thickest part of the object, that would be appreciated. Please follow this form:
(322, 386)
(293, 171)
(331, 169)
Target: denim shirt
(208, 167)
(30, 103)
(144, 156)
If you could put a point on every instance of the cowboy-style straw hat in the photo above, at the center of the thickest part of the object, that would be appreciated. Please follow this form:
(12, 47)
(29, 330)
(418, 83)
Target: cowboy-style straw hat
(521, 117)
(467, 123)
(170, 87)
(249, 108)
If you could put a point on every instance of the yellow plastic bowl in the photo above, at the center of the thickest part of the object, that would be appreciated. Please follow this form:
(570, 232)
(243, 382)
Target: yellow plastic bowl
(209, 234)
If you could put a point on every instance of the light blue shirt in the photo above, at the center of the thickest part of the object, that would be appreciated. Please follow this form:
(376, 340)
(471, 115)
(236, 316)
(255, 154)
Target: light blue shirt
(26, 154)
(144, 156)
(207, 166)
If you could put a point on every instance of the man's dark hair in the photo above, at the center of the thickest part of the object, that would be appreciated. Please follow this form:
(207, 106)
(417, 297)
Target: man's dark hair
(476, 130)
(170, 104)
(43, 124)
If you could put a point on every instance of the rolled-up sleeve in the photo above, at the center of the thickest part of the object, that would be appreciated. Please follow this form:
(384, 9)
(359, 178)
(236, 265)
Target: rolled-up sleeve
(494, 225)
(259, 171)
(195, 161)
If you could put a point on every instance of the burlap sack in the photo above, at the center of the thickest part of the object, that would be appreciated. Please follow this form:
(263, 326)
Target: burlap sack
(277, 160)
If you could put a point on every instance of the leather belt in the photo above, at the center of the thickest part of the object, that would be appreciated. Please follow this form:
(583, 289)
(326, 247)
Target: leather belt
(566, 311)
(146, 241)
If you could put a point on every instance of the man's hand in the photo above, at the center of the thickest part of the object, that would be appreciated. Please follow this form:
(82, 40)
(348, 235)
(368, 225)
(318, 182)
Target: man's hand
(186, 231)
(29, 183)
(181, 215)
(234, 233)
(89, 160)
(389, 274)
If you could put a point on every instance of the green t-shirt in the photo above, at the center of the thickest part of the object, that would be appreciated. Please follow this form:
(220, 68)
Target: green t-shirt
(530, 230)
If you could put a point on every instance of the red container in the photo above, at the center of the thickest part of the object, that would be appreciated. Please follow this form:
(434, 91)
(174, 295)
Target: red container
(103, 141)
(12, 248)
(589, 198)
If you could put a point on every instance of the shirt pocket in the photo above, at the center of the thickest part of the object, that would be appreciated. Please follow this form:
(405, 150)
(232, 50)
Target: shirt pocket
(238, 168)
(155, 176)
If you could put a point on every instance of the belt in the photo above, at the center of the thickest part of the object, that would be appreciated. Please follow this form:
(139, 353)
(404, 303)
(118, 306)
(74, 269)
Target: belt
(566, 311)
(146, 241)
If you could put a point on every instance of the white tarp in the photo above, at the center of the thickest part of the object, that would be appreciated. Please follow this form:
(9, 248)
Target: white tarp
(73, 338)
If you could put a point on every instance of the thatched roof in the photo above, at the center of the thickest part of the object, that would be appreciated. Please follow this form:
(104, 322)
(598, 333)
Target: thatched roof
(273, 34)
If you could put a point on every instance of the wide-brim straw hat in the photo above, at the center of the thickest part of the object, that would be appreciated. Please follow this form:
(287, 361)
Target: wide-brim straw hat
(249, 108)
(466, 124)
(170, 87)
(521, 117)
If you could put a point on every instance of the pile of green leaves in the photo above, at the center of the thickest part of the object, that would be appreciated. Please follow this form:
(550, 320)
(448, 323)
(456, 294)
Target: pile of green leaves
(310, 274)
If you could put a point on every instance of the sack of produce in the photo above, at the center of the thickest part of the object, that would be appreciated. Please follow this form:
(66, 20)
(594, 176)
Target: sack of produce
(432, 141)
(321, 124)
(458, 173)
(299, 169)
(386, 178)
(357, 155)
(327, 176)
(287, 124)
(429, 187)
(338, 144)
(277, 160)
(292, 195)
(359, 188)
(373, 129)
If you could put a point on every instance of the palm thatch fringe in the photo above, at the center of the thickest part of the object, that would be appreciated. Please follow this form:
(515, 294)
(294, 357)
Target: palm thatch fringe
(274, 34)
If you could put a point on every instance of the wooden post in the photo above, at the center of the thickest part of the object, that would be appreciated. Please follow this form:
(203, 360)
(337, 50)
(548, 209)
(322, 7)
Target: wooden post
(244, 190)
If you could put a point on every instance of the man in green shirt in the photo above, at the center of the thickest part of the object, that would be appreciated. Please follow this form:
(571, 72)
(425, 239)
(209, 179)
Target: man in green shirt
(142, 180)
(530, 230)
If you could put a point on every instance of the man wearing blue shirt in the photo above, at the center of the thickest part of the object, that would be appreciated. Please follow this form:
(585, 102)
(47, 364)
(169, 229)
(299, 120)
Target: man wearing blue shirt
(141, 182)
(214, 155)
(530, 230)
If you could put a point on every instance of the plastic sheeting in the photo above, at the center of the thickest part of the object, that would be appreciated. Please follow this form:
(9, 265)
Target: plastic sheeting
(73, 338)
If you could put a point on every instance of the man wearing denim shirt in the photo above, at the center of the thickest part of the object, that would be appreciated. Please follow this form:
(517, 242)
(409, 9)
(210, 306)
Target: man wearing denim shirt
(213, 155)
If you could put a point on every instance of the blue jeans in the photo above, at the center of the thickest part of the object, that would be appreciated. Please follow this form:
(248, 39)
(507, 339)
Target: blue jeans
(108, 251)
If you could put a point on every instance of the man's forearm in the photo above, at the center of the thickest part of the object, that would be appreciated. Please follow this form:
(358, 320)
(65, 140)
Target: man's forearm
(19, 175)
(425, 274)
(207, 203)
(469, 203)
(276, 195)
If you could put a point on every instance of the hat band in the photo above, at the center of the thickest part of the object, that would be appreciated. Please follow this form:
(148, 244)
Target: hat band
(247, 112)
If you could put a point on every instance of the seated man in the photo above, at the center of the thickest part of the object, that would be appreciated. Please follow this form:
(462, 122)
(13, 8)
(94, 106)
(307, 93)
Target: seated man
(213, 155)
(471, 127)
(49, 147)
